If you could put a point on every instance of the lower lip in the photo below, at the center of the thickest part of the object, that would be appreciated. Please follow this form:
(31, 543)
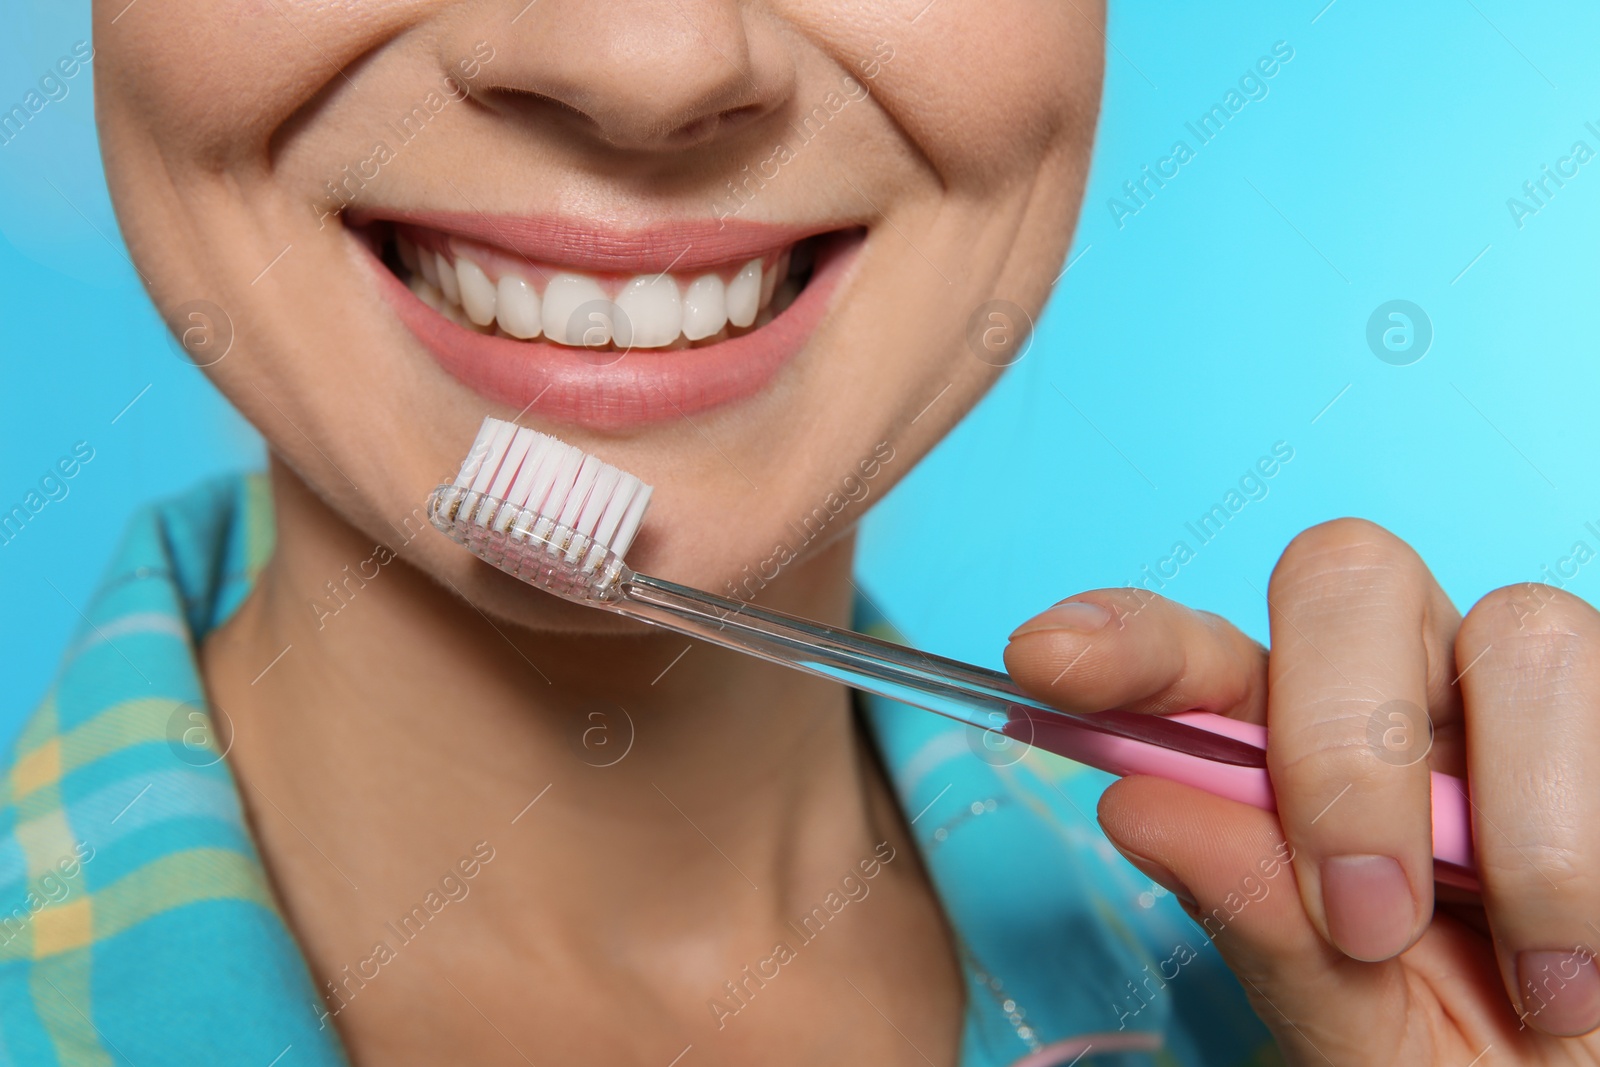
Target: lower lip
(642, 386)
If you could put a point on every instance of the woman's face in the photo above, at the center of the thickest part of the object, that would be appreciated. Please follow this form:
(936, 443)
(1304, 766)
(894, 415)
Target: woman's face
(415, 213)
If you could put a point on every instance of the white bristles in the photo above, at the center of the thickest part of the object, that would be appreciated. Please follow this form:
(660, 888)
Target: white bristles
(573, 506)
(512, 456)
(605, 483)
(494, 455)
(633, 516)
(473, 463)
(515, 453)
(474, 460)
(530, 488)
(549, 505)
(621, 497)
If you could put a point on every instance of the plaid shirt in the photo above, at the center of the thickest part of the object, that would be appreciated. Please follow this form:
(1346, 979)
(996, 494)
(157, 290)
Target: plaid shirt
(137, 925)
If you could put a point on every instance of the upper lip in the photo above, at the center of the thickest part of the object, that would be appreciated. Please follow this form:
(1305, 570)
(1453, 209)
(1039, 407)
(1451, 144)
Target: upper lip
(679, 246)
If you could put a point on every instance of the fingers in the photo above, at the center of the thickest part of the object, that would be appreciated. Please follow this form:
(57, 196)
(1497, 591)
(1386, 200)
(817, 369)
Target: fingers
(1360, 633)
(1129, 649)
(1231, 867)
(1530, 657)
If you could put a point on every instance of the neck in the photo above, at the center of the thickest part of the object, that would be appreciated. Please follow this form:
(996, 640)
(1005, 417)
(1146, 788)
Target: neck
(609, 776)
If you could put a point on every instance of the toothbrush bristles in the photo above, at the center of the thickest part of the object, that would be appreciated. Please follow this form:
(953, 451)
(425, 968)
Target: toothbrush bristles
(542, 510)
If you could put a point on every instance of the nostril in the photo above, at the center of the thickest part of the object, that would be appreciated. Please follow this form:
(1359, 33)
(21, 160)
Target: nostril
(698, 130)
(707, 126)
(529, 101)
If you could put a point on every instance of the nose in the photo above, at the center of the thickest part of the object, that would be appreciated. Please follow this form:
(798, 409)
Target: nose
(637, 75)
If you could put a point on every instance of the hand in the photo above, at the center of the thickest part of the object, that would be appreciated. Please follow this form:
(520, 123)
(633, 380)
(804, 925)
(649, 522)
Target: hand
(1327, 912)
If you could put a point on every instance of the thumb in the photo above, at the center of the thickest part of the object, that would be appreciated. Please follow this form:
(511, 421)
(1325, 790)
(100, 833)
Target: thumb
(1230, 866)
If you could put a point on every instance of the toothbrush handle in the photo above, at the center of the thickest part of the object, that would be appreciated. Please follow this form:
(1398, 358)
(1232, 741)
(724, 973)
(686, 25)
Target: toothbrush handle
(1454, 862)
(1224, 757)
(986, 699)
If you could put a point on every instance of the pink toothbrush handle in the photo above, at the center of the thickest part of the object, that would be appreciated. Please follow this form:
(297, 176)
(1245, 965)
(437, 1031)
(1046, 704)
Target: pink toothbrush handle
(1454, 863)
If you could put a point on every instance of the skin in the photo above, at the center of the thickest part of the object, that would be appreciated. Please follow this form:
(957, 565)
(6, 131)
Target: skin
(432, 710)
(1358, 621)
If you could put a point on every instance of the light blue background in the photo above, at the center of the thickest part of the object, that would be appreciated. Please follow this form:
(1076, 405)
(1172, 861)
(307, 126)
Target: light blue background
(1223, 317)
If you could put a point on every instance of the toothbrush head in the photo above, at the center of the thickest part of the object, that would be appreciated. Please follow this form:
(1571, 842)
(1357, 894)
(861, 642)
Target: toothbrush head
(543, 511)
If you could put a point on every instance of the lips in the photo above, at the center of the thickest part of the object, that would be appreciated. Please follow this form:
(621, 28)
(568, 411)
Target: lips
(607, 330)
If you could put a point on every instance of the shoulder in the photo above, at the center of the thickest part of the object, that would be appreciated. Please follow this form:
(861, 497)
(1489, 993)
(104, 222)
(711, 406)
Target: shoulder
(130, 890)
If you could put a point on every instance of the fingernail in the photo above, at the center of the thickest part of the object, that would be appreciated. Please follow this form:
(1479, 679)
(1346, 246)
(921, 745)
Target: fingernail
(1560, 990)
(1078, 615)
(1159, 875)
(1369, 906)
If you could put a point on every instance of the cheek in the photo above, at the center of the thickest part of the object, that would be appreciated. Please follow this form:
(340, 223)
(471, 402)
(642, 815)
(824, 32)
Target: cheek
(987, 91)
(212, 83)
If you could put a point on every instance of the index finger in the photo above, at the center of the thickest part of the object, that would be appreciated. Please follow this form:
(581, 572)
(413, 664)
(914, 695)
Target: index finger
(1132, 650)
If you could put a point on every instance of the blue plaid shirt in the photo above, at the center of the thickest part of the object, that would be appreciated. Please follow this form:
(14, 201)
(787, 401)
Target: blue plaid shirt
(137, 925)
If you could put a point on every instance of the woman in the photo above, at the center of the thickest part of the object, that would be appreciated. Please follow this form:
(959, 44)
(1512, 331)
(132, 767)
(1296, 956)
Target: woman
(739, 251)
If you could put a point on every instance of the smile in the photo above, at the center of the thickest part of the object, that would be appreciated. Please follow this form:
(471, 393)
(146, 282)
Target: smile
(606, 329)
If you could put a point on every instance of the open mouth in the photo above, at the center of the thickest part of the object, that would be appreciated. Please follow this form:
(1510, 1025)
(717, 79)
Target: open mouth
(549, 317)
(496, 292)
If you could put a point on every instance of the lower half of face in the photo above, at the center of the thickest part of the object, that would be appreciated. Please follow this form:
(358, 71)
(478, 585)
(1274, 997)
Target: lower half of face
(760, 255)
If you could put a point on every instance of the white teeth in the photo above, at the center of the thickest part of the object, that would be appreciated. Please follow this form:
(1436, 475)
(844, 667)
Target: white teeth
(448, 285)
(477, 291)
(517, 308)
(563, 296)
(651, 312)
(769, 281)
(454, 313)
(705, 307)
(744, 294)
(427, 292)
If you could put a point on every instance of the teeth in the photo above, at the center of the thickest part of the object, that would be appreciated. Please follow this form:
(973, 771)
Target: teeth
(448, 285)
(477, 291)
(744, 294)
(769, 281)
(563, 296)
(427, 292)
(517, 308)
(652, 313)
(705, 307)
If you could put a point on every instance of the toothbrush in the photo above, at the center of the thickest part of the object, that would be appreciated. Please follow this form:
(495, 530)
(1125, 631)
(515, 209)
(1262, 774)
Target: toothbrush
(562, 520)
